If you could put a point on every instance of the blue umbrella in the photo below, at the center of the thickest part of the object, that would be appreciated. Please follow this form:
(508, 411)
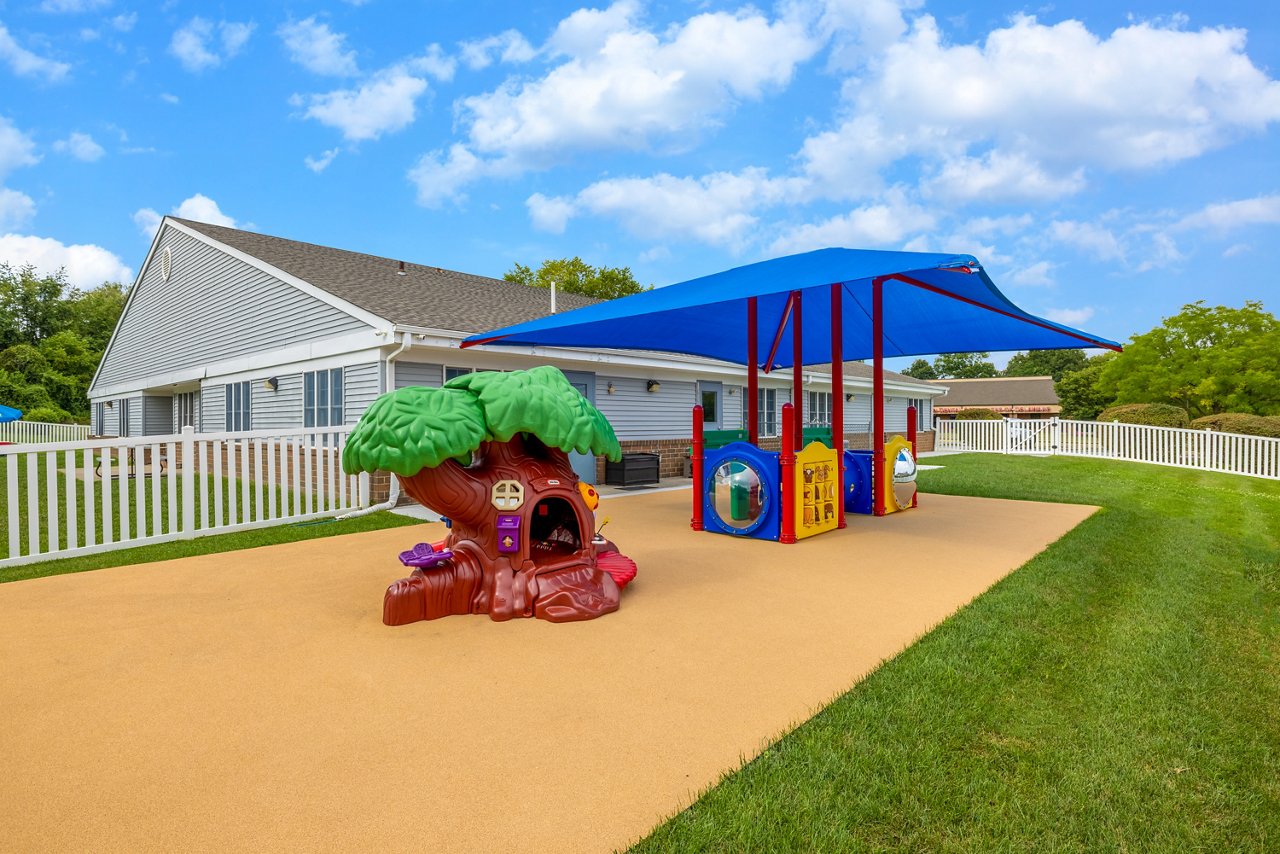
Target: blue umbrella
(8, 413)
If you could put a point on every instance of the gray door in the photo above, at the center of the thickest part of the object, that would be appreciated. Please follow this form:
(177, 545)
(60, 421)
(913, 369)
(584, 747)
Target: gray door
(584, 465)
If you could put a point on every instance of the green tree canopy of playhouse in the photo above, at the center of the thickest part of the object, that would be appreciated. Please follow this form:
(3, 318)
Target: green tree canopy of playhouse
(415, 428)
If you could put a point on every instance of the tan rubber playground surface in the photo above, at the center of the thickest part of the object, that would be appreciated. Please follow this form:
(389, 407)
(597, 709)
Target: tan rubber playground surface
(253, 701)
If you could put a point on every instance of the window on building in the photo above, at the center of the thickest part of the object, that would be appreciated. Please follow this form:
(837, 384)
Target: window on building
(99, 412)
(122, 428)
(820, 409)
(322, 398)
(767, 400)
(921, 420)
(237, 404)
(184, 409)
(454, 373)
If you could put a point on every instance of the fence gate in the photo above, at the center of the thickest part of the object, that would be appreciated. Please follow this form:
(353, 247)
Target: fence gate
(1039, 436)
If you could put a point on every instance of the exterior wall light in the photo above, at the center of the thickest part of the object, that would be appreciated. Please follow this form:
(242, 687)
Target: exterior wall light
(272, 383)
(609, 390)
(653, 386)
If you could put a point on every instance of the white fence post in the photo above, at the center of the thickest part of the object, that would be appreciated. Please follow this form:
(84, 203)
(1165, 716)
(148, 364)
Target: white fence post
(188, 481)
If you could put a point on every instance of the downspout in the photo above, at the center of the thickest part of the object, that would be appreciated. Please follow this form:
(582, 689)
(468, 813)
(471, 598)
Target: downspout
(406, 341)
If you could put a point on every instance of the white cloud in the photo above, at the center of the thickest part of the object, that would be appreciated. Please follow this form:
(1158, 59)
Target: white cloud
(317, 48)
(1090, 238)
(124, 23)
(201, 44)
(621, 86)
(170, 98)
(81, 146)
(16, 209)
(16, 148)
(549, 214)
(1163, 253)
(198, 207)
(1070, 316)
(717, 209)
(433, 63)
(73, 6)
(509, 46)
(1037, 275)
(24, 63)
(862, 28)
(383, 104)
(321, 163)
(999, 177)
(1227, 216)
(1236, 249)
(440, 178)
(883, 223)
(87, 265)
(1043, 102)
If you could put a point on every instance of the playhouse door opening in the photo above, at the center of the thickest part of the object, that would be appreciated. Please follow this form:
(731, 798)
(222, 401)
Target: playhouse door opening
(554, 532)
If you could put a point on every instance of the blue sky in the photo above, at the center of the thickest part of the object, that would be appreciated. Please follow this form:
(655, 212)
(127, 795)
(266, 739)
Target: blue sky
(1106, 162)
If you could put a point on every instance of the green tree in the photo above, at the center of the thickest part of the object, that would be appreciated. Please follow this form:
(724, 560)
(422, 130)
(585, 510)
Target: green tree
(31, 307)
(1045, 363)
(921, 370)
(962, 366)
(1204, 359)
(575, 276)
(92, 314)
(1079, 393)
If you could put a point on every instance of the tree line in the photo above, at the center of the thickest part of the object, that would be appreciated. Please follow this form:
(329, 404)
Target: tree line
(52, 337)
(1204, 360)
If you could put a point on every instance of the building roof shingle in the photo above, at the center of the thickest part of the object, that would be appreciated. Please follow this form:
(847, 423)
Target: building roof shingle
(428, 297)
(998, 391)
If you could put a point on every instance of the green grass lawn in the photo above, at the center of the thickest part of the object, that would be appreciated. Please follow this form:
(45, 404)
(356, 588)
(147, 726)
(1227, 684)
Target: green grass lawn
(1120, 692)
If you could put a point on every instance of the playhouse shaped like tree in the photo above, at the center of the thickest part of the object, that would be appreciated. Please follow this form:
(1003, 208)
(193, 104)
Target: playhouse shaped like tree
(489, 451)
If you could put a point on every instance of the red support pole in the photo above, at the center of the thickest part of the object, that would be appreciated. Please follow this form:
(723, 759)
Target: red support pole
(753, 380)
(787, 463)
(911, 438)
(696, 521)
(877, 396)
(797, 371)
(837, 391)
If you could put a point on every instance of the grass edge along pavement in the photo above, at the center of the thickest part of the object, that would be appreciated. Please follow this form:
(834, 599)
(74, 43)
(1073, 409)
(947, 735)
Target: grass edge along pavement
(1119, 691)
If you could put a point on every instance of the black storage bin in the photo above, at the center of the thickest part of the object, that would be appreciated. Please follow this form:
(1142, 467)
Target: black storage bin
(632, 470)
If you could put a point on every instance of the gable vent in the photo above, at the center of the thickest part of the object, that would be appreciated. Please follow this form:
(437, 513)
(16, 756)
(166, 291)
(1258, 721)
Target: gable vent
(166, 263)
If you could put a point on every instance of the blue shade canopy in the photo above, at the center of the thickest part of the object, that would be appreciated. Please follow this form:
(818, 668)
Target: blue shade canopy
(940, 304)
(8, 413)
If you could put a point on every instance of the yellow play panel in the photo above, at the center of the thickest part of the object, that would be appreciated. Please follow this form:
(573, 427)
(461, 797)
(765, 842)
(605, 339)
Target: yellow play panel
(253, 701)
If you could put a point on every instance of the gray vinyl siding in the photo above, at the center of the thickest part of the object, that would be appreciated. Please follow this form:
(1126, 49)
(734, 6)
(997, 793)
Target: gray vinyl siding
(136, 421)
(731, 406)
(110, 425)
(275, 410)
(636, 413)
(157, 416)
(213, 408)
(213, 307)
(418, 374)
(361, 385)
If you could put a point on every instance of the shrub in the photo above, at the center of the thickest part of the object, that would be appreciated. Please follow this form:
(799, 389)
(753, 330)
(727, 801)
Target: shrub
(1240, 422)
(48, 415)
(1151, 414)
(979, 415)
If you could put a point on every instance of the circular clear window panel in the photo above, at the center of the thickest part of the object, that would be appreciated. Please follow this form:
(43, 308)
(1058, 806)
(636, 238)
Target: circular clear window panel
(738, 494)
(904, 479)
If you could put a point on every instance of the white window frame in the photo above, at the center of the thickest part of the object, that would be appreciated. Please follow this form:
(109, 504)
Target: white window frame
(186, 410)
(238, 406)
(324, 398)
(769, 421)
(819, 408)
(457, 372)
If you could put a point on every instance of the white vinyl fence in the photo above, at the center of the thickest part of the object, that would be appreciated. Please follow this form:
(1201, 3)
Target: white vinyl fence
(61, 499)
(1233, 453)
(18, 432)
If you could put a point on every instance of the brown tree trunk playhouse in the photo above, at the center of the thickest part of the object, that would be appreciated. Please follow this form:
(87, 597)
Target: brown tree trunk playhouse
(489, 453)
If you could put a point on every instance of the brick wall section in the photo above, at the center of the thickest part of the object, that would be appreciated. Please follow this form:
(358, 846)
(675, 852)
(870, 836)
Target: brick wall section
(673, 452)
